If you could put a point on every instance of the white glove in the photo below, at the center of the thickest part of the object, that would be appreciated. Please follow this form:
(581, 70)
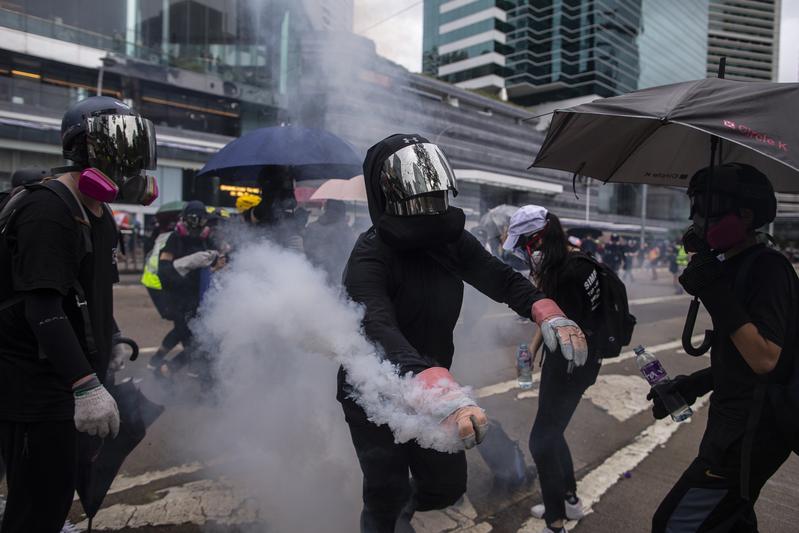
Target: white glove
(461, 410)
(96, 411)
(560, 332)
(186, 264)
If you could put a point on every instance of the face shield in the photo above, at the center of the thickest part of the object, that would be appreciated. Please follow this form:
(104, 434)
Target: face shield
(415, 181)
(122, 147)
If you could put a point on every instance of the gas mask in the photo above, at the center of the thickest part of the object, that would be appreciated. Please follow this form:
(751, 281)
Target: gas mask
(119, 148)
(725, 227)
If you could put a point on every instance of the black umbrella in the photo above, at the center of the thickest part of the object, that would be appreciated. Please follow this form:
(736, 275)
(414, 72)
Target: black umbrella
(663, 135)
(311, 154)
(99, 460)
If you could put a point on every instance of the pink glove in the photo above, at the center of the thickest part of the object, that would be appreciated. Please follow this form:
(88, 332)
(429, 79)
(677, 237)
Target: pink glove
(471, 421)
(560, 332)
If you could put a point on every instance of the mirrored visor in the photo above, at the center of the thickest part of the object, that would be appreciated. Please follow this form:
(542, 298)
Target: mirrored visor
(414, 170)
(121, 146)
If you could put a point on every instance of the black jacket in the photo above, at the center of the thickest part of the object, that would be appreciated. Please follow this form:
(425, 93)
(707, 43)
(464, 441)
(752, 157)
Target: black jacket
(413, 300)
(413, 297)
(183, 293)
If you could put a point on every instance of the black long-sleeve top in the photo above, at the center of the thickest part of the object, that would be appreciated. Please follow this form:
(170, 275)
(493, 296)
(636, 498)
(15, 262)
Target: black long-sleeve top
(413, 298)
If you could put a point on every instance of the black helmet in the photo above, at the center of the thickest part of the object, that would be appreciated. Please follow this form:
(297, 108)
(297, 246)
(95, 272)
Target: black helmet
(734, 186)
(73, 123)
(25, 176)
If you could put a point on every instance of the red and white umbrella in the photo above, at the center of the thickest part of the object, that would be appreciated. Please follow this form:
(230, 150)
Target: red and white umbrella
(351, 190)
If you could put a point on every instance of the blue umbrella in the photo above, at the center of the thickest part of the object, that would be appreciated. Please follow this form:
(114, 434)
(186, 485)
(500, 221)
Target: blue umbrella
(311, 153)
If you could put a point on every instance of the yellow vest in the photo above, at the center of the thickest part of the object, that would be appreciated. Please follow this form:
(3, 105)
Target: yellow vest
(149, 277)
(682, 256)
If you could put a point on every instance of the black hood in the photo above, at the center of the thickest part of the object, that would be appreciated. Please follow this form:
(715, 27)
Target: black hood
(375, 158)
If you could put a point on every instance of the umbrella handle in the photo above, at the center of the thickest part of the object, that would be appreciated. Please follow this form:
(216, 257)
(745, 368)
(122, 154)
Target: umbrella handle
(688, 332)
(133, 346)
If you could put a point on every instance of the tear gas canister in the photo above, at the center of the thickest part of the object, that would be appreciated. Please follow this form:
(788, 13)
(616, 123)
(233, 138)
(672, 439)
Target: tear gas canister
(524, 367)
(658, 378)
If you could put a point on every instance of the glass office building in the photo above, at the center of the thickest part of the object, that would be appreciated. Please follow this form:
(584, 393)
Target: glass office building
(569, 48)
(672, 41)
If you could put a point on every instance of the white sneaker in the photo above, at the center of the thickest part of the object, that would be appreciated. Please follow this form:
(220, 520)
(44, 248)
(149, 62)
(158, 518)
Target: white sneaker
(573, 511)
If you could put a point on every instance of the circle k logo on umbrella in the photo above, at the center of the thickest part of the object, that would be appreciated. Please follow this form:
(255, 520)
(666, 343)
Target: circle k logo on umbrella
(749, 132)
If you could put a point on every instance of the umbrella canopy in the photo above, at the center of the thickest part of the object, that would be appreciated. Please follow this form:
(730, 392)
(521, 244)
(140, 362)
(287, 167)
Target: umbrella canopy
(661, 135)
(497, 218)
(312, 154)
(172, 207)
(351, 190)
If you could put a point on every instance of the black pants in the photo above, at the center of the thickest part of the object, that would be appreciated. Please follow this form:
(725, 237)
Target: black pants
(438, 479)
(707, 498)
(181, 333)
(559, 395)
(41, 471)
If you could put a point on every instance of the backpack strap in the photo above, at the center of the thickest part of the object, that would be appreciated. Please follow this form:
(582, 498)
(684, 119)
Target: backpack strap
(76, 210)
(81, 219)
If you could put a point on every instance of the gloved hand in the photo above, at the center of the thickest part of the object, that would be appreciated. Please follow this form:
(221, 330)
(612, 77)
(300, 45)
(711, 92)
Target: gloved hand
(703, 270)
(703, 278)
(683, 385)
(560, 332)
(202, 259)
(119, 356)
(96, 411)
(471, 421)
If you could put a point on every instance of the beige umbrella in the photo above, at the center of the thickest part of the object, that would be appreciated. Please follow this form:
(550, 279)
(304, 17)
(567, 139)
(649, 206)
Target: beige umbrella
(351, 190)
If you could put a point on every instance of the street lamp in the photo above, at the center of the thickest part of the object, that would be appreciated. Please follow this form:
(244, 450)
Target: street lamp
(106, 61)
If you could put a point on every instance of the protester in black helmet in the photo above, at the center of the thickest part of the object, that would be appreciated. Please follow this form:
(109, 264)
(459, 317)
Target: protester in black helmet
(613, 254)
(752, 294)
(188, 250)
(274, 214)
(56, 342)
(572, 280)
(408, 271)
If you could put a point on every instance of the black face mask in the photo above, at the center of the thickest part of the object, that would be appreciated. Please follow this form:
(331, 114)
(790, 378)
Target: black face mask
(421, 231)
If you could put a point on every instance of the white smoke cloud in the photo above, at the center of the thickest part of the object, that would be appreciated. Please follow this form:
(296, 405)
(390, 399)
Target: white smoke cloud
(276, 333)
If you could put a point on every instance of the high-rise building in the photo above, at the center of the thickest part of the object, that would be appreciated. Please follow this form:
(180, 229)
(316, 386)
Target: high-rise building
(465, 42)
(747, 33)
(672, 42)
(539, 50)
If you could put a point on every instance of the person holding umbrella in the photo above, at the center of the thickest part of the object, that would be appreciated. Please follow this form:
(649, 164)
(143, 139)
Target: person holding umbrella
(752, 295)
(57, 322)
(408, 272)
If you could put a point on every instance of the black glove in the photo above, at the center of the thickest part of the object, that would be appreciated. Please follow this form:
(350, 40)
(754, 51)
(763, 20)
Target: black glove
(690, 388)
(703, 278)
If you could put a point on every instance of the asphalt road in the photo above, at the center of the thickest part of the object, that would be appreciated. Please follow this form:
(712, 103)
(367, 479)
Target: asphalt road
(624, 461)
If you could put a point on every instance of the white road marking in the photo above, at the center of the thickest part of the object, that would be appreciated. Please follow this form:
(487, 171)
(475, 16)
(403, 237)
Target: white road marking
(507, 386)
(148, 350)
(596, 483)
(621, 396)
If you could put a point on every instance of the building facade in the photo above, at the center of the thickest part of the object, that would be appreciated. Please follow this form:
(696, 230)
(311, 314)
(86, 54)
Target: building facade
(747, 33)
(204, 71)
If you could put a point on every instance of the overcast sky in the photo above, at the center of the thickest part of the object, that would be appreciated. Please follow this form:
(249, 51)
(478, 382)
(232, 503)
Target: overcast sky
(399, 38)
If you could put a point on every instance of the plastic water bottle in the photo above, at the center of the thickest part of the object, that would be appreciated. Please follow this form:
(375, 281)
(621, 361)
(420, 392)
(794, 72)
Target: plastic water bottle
(524, 367)
(657, 377)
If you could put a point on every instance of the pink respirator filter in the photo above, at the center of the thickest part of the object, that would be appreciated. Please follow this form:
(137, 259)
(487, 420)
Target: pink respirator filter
(94, 184)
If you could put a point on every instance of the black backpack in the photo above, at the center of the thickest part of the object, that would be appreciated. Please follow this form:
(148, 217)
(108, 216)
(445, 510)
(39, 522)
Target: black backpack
(8, 209)
(616, 324)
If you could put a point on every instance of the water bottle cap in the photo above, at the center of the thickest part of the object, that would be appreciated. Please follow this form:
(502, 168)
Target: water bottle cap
(639, 350)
